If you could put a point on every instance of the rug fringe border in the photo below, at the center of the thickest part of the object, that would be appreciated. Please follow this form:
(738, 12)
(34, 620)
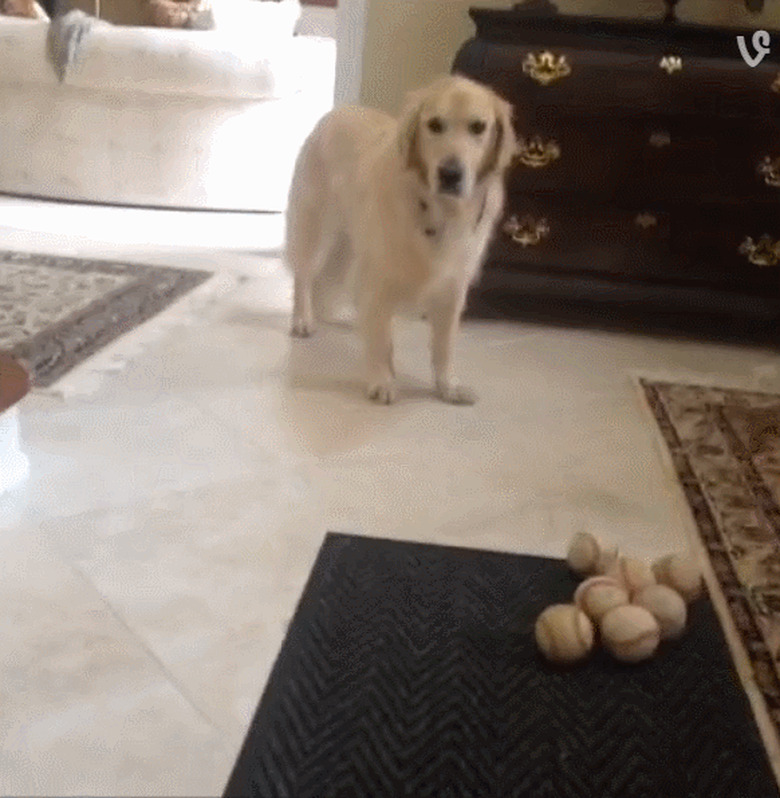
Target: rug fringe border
(87, 377)
(739, 655)
(763, 379)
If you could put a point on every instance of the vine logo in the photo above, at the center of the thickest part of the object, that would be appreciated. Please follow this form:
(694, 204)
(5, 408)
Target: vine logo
(760, 43)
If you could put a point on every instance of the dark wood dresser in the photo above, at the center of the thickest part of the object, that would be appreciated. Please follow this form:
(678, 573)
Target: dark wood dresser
(648, 185)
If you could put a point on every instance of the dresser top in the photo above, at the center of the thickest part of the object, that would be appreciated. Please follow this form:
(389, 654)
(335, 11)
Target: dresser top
(508, 26)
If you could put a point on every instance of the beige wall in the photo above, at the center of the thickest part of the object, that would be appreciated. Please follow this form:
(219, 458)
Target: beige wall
(122, 12)
(408, 42)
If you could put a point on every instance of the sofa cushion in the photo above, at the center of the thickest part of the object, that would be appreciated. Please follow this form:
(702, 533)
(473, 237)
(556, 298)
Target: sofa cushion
(256, 17)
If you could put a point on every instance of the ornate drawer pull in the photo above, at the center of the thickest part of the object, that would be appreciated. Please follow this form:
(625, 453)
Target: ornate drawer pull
(671, 64)
(527, 231)
(536, 154)
(660, 138)
(776, 84)
(764, 253)
(546, 67)
(770, 169)
(646, 220)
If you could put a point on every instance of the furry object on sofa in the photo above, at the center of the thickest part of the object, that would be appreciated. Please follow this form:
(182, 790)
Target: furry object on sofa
(192, 14)
(65, 40)
(234, 15)
(22, 8)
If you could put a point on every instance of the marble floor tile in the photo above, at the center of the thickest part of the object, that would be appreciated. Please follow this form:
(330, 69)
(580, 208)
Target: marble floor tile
(206, 579)
(87, 454)
(86, 708)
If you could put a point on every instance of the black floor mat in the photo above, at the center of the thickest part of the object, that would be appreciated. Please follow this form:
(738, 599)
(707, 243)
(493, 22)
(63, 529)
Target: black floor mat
(411, 670)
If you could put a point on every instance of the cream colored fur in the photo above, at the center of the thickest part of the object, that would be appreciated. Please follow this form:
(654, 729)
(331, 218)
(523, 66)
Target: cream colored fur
(368, 212)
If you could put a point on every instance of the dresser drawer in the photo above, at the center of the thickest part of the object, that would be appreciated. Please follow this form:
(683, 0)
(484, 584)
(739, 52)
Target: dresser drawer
(717, 246)
(555, 235)
(579, 158)
(662, 160)
(724, 88)
(548, 82)
(729, 246)
(694, 161)
(544, 83)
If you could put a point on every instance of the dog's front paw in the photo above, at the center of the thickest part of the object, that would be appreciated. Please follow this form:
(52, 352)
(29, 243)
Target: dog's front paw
(383, 392)
(455, 394)
(301, 328)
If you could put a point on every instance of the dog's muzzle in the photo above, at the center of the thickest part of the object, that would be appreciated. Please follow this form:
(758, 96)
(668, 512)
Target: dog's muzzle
(450, 177)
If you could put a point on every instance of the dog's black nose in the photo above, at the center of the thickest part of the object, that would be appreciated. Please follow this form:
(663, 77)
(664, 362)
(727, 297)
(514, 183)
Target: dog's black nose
(450, 176)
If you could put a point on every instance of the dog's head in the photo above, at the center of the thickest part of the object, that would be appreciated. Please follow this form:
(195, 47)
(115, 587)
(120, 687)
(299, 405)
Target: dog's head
(454, 134)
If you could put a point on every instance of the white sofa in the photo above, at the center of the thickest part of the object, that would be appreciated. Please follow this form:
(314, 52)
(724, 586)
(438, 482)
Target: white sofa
(163, 118)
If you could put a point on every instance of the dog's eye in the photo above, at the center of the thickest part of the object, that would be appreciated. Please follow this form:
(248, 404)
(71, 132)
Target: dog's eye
(436, 125)
(477, 127)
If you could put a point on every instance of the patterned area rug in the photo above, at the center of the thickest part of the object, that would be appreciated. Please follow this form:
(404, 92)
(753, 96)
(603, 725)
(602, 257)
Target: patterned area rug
(411, 670)
(725, 449)
(57, 312)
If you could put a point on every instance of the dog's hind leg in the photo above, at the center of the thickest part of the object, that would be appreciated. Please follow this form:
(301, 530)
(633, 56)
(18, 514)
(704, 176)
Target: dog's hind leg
(303, 313)
(330, 294)
(310, 239)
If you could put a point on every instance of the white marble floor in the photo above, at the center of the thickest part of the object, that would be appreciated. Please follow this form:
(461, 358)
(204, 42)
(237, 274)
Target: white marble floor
(150, 566)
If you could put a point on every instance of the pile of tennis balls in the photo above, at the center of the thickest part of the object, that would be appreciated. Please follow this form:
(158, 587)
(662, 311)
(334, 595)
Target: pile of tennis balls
(629, 605)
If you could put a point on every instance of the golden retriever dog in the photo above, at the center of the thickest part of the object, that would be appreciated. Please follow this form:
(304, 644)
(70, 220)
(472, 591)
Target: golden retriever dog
(399, 212)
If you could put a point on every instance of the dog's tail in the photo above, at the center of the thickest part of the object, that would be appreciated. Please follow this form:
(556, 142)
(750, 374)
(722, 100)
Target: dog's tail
(68, 31)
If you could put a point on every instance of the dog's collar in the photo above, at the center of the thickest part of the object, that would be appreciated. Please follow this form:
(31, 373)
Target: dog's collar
(431, 230)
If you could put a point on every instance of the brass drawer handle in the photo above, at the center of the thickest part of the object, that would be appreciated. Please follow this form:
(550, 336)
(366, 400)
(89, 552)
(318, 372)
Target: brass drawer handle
(671, 64)
(546, 67)
(646, 220)
(660, 138)
(536, 154)
(527, 231)
(776, 84)
(770, 169)
(764, 253)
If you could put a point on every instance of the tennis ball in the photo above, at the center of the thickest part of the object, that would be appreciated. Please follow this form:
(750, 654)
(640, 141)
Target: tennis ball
(607, 560)
(630, 633)
(666, 606)
(564, 633)
(583, 554)
(598, 595)
(634, 574)
(681, 573)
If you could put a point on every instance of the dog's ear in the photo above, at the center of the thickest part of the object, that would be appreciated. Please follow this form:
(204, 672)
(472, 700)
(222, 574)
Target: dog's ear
(408, 134)
(503, 147)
